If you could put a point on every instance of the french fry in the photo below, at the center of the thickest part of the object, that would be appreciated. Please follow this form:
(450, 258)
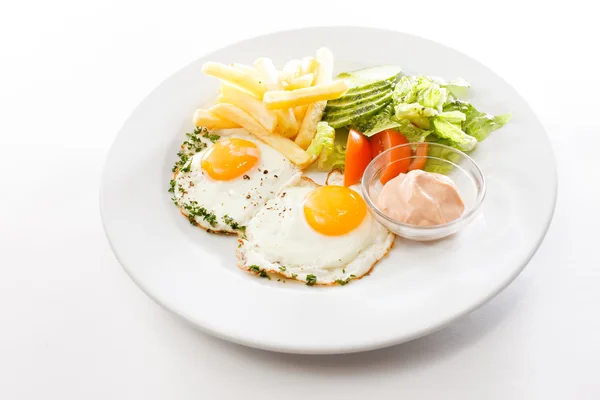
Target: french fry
(314, 112)
(285, 146)
(293, 67)
(251, 105)
(299, 113)
(285, 78)
(287, 126)
(300, 82)
(309, 65)
(236, 77)
(286, 99)
(248, 69)
(268, 73)
(211, 121)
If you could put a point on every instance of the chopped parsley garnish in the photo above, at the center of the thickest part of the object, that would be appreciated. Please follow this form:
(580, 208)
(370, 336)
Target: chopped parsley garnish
(197, 211)
(282, 268)
(311, 279)
(191, 146)
(255, 269)
(234, 225)
(345, 281)
(172, 186)
(294, 276)
(186, 167)
(263, 274)
(213, 138)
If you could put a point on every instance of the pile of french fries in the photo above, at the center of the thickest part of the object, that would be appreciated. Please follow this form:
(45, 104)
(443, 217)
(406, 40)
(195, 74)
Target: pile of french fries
(280, 107)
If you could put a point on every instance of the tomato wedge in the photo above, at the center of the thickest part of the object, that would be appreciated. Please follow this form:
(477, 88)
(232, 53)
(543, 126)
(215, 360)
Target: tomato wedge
(358, 156)
(419, 163)
(398, 159)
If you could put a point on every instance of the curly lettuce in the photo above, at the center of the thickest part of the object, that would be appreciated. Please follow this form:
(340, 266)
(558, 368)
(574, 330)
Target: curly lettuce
(324, 151)
(447, 125)
(432, 103)
(477, 124)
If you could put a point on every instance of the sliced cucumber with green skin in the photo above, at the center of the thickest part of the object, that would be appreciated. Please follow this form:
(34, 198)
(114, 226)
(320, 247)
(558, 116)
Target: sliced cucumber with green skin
(332, 114)
(381, 85)
(347, 99)
(348, 120)
(347, 117)
(365, 76)
(352, 104)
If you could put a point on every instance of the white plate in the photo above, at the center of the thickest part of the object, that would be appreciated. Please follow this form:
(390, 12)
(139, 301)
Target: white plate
(417, 289)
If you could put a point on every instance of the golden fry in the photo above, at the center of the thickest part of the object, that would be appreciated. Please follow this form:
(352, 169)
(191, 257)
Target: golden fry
(289, 99)
(268, 73)
(300, 82)
(309, 65)
(285, 146)
(251, 105)
(314, 113)
(236, 77)
(287, 126)
(211, 121)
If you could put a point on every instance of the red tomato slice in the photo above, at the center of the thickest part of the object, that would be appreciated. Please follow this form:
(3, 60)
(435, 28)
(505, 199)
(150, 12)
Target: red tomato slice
(388, 139)
(358, 156)
(419, 163)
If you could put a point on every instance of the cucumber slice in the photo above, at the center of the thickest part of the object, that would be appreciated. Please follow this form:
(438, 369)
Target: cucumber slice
(348, 99)
(353, 110)
(355, 103)
(350, 119)
(371, 87)
(366, 76)
(347, 117)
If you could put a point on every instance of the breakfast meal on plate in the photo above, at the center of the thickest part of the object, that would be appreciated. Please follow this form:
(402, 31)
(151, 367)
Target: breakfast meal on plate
(242, 169)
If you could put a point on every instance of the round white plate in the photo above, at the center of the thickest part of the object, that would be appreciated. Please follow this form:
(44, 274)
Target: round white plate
(417, 289)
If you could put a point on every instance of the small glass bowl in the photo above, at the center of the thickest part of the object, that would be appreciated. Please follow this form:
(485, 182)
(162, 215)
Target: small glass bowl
(461, 168)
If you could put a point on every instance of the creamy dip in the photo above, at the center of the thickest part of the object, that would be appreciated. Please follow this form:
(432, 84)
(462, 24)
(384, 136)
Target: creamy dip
(421, 198)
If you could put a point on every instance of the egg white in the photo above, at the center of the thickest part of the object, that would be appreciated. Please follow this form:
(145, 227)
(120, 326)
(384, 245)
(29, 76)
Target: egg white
(279, 239)
(232, 202)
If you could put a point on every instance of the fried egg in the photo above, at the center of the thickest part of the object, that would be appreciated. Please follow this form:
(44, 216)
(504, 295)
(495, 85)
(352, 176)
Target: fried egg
(223, 184)
(321, 235)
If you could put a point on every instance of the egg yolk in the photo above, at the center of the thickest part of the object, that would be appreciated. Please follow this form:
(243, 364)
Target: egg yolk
(334, 210)
(230, 158)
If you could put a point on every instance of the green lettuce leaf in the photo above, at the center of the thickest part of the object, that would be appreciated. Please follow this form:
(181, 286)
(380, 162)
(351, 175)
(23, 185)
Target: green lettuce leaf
(447, 125)
(422, 90)
(380, 122)
(387, 120)
(457, 87)
(328, 155)
(412, 133)
(436, 164)
(477, 124)
(415, 113)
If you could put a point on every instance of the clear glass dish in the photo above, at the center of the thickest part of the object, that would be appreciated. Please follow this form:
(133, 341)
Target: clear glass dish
(461, 168)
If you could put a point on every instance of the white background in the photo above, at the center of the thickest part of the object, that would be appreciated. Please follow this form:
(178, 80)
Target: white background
(73, 325)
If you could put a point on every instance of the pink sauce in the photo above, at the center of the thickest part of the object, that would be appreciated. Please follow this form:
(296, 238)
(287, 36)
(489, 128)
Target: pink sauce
(421, 198)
